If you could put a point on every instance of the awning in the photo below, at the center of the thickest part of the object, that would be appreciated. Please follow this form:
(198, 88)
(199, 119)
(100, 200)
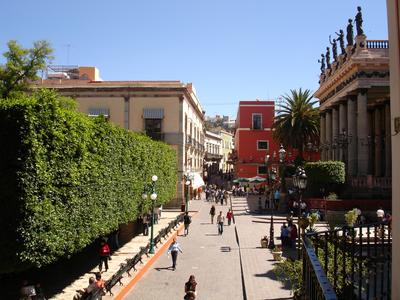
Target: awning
(99, 111)
(197, 180)
(153, 113)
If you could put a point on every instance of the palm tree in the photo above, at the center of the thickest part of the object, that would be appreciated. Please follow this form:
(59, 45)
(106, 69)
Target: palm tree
(297, 120)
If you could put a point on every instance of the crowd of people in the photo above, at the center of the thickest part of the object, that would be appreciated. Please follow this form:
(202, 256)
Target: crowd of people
(216, 194)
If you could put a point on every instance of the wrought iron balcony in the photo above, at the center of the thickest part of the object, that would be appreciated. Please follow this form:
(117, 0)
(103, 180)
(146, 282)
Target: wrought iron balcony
(348, 263)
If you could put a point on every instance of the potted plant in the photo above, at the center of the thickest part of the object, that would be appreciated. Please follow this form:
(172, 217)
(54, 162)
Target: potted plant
(351, 217)
(264, 242)
(312, 219)
(277, 253)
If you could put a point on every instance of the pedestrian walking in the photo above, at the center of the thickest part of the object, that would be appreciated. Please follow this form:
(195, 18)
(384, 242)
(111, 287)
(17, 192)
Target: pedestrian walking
(220, 223)
(173, 250)
(277, 196)
(190, 296)
(229, 216)
(186, 222)
(191, 285)
(146, 220)
(104, 255)
(212, 213)
(293, 235)
(226, 195)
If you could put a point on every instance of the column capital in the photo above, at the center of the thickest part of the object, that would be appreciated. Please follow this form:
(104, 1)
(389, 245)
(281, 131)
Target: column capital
(362, 91)
(342, 101)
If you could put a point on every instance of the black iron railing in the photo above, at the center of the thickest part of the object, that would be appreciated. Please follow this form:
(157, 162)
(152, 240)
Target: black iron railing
(131, 263)
(355, 260)
(316, 284)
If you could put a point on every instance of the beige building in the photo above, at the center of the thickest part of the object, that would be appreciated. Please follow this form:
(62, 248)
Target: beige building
(393, 8)
(213, 153)
(169, 111)
(226, 147)
(355, 113)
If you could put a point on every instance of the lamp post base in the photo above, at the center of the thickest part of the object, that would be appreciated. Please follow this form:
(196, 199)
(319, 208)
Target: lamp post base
(151, 249)
(271, 244)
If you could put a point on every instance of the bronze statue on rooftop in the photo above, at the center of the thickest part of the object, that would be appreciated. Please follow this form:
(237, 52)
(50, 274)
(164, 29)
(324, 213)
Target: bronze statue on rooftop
(340, 38)
(334, 48)
(322, 62)
(358, 19)
(328, 58)
(350, 34)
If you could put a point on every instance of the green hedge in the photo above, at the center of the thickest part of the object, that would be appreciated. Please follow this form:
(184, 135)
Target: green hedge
(327, 175)
(66, 179)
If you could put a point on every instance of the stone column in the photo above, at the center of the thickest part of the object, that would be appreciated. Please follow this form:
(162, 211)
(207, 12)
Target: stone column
(342, 128)
(351, 131)
(378, 142)
(388, 143)
(335, 133)
(328, 133)
(362, 134)
(322, 134)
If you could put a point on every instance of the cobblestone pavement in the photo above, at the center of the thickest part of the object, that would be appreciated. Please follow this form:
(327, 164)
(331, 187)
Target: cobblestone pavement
(231, 266)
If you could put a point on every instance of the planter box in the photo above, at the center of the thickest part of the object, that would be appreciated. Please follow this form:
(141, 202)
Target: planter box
(277, 255)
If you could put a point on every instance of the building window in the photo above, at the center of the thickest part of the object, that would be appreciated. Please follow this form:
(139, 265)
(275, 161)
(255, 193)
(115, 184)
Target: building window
(262, 169)
(99, 111)
(257, 121)
(153, 129)
(262, 145)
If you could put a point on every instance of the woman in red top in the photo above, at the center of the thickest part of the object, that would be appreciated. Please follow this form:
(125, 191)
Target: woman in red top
(229, 216)
(104, 255)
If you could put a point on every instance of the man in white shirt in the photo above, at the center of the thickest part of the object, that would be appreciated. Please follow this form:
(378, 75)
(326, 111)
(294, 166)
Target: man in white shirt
(173, 249)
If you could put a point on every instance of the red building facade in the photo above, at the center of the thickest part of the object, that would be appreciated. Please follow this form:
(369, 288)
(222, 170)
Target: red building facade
(253, 137)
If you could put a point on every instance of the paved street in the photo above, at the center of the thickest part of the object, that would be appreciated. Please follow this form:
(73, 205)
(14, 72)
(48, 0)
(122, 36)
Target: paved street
(217, 261)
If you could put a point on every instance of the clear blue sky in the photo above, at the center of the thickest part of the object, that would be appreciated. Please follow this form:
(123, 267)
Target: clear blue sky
(231, 50)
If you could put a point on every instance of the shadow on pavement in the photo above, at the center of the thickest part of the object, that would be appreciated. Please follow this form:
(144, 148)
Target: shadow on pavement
(165, 268)
(271, 274)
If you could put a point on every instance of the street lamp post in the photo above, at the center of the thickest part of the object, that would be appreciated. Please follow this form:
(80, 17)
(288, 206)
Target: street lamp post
(153, 197)
(271, 180)
(300, 182)
(188, 181)
(282, 157)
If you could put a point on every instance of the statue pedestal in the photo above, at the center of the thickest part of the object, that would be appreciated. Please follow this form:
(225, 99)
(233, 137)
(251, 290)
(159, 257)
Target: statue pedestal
(361, 41)
(335, 65)
(349, 50)
(322, 77)
(341, 59)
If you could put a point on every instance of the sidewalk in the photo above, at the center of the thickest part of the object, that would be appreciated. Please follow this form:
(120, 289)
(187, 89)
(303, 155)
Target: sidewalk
(217, 261)
(259, 278)
(213, 259)
(118, 257)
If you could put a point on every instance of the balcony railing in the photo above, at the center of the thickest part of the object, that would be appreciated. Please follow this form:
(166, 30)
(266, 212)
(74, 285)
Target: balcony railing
(316, 284)
(189, 140)
(377, 44)
(355, 261)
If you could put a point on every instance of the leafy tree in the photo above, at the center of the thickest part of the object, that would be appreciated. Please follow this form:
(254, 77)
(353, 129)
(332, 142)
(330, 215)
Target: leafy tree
(297, 120)
(22, 65)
